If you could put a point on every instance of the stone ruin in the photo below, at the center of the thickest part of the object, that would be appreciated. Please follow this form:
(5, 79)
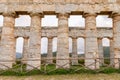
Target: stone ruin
(93, 36)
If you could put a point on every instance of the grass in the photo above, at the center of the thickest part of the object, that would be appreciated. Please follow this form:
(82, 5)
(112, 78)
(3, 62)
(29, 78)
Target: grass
(62, 74)
(51, 70)
(114, 76)
(20, 70)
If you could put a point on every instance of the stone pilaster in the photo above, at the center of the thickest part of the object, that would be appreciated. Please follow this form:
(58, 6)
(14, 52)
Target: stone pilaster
(50, 54)
(111, 52)
(74, 52)
(34, 54)
(116, 39)
(91, 44)
(100, 50)
(25, 50)
(63, 42)
(7, 41)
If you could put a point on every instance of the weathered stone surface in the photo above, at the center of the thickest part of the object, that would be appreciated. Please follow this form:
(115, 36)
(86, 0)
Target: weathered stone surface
(116, 39)
(74, 52)
(100, 51)
(111, 52)
(52, 32)
(34, 55)
(25, 50)
(62, 8)
(7, 41)
(50, 53)
(63, 42)
(91, 46)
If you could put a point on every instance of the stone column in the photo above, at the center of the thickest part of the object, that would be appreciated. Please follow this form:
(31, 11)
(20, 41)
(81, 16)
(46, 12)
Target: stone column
(100, 50)
(25, 50)
(7, 41)
(0, 43)
(50, 54)
(63, 42)
(34, 54)
(116, 39)
(111, 52)
(91, 51)
(74, 52)
(14, 55)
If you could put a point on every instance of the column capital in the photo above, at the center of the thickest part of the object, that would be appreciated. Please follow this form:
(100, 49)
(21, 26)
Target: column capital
(89, 14)
(63, 15)
(110, 39)
(13, 14)
(26, 37)
(36, 14)
(100, 38)
(115, 15)
(74, 37)
(50, 37)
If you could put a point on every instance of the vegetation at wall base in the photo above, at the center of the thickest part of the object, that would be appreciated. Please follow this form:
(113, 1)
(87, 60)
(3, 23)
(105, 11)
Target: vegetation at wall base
(50, 70)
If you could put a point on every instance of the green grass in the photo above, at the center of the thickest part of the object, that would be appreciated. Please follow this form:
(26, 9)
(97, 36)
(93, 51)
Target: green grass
(51, 70)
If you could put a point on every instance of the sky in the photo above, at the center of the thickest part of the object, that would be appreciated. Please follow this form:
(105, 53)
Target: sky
(78, 21)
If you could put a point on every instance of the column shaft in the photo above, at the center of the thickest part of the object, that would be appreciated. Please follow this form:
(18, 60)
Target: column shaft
(91, 42)
(74, 52)
(100, 50)
(8, 41)
(14, 55)
(34, 55)
(25, 51)
(116, 39)
(63, 42)
(50, 54)
(0, 43)
(111, 52)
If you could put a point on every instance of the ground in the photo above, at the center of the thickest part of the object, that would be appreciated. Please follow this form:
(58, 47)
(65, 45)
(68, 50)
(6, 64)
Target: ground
(114, 76)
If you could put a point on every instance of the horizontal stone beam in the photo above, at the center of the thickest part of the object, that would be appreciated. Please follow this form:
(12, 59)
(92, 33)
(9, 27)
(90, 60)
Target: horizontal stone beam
(52, 32)
(96, 6)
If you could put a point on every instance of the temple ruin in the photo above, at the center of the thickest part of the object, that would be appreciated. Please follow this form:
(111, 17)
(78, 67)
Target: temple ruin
(93, 36)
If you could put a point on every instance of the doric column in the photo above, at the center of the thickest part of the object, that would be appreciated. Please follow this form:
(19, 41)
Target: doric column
(14, 55)
(74, 52)
(63, 42)
(111, 52)
(7, 40)
(91, 51)
(100, 50)
(25, 50)
(34, 54)
(50, 54)
(0, 43)
(116, 39)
